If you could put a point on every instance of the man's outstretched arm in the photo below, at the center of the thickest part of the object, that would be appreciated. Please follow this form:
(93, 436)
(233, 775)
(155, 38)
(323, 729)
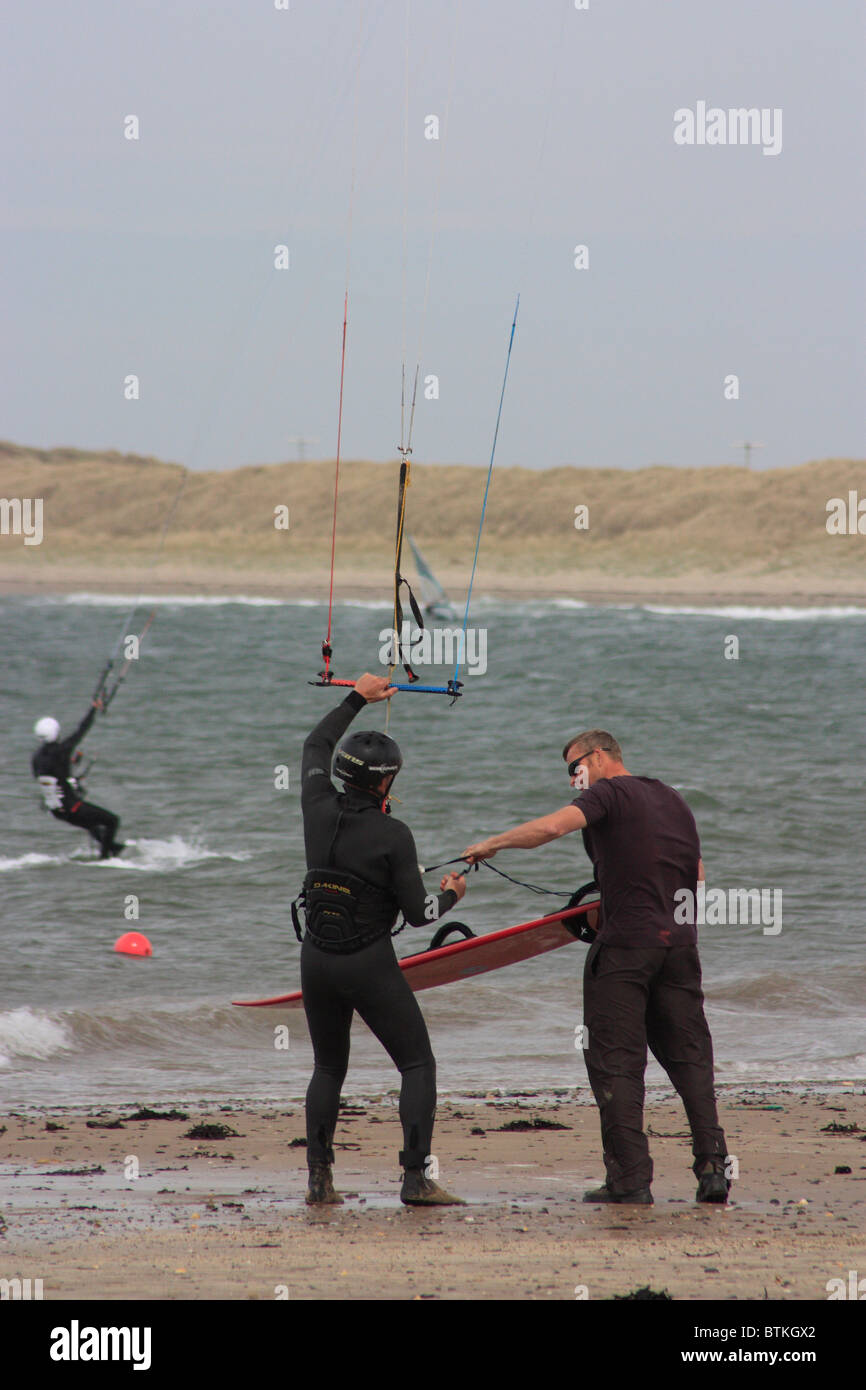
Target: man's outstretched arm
(530, 834)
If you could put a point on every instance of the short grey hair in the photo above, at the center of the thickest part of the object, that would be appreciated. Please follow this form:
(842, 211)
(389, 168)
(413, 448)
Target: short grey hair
(592, 739)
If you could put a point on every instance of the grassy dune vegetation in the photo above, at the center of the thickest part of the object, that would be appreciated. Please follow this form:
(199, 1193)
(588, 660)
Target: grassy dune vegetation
(690, 531)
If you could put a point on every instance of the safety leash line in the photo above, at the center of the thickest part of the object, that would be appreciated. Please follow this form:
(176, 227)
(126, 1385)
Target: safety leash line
(533, 887)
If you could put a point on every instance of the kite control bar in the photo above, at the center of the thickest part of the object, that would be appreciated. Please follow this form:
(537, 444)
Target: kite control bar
(453, 688)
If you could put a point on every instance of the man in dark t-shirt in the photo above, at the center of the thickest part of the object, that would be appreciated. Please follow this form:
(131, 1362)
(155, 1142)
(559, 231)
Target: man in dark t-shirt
(642, 976)
(644, 846)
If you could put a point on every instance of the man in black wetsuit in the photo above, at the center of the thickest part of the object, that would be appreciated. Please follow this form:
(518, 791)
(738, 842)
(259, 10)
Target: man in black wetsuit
(363, 870)
(642, 975)
(51, 764)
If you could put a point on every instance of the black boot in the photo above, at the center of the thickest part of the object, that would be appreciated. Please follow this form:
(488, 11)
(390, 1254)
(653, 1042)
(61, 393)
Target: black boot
(421, 1191)
(713, 1186)
(641, 1197)
(320, 1192)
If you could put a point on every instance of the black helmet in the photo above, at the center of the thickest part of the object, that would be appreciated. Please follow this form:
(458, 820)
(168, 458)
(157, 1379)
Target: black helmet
(365, 757)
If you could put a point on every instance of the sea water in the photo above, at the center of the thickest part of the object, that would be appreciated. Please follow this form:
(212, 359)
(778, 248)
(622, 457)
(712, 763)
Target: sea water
(768, 748)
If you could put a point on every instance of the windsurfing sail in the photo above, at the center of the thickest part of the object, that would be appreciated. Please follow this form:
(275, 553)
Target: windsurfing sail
(433, 597)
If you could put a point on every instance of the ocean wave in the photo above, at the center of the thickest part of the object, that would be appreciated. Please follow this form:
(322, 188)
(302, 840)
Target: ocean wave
(376, 603)
(156, 1036)
(785, 614)
(30, 861)
(824, 1069)
(538, 606)
(26, 1034)
(86, 599)
(164, 855)
(828, 994)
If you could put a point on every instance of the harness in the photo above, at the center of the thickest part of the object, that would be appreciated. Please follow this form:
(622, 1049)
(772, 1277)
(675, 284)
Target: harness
(342, 912)
(581, 928)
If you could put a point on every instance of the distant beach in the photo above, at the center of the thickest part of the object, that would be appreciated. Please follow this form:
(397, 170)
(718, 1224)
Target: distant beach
(701, 535)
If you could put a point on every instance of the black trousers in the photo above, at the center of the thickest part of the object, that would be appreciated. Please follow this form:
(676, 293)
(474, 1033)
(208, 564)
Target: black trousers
(100, 824)
(371, 981)
(634, 998)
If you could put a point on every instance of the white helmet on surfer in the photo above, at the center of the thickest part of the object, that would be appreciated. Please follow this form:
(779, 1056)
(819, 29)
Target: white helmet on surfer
(47, 729)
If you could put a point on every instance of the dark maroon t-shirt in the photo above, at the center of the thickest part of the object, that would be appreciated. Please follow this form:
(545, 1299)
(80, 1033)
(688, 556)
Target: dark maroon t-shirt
(644, 846)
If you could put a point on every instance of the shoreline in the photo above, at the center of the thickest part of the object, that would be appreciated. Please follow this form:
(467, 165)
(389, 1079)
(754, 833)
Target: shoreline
(580, 1096)
(314, 588)
(224, 1217)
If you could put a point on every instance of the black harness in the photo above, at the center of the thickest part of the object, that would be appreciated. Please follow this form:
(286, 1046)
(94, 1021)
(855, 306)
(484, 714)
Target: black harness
(342, 912)
(579, 927)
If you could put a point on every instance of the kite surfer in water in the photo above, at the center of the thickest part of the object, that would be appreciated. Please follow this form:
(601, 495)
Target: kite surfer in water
(61, 790)
(362, 870)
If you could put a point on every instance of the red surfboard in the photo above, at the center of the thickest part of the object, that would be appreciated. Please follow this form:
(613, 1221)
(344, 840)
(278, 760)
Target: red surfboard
(463, 959)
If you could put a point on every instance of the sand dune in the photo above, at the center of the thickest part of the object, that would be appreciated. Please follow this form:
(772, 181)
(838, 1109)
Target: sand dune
(700, 531)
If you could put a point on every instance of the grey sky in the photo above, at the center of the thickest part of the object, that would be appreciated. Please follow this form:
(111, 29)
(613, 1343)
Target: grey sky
(155, 257)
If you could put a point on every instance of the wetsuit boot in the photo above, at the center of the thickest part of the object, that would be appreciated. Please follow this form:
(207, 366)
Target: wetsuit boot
(713, 1185)
(108, 846)
(320, 1192)
(641, 1197)
(421, 1191)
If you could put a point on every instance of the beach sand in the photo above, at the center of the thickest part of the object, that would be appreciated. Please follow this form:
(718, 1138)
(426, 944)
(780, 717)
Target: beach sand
(225, 1218)
(593, 588)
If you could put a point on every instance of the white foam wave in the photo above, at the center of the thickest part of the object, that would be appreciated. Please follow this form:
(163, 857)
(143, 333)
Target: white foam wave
(386, 605)
(30, 861)
(834, 1069)
(165, 855)
(785, 614)
(540, 605)
(125, 601)
(26, 1034)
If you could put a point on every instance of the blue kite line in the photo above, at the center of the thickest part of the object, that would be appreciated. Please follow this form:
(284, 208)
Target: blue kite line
(487, 488)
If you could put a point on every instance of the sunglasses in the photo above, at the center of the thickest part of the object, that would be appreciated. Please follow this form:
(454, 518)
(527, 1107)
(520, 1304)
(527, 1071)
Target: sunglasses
(573, 766)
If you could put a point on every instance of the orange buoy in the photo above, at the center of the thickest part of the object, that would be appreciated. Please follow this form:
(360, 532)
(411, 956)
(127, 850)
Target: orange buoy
(133, 943)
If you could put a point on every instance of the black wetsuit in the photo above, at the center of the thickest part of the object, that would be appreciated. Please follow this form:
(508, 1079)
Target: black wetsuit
(348, 832)
(51, 765)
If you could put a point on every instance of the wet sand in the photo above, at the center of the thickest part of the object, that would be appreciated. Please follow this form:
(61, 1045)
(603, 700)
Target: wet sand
(225, 1217)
